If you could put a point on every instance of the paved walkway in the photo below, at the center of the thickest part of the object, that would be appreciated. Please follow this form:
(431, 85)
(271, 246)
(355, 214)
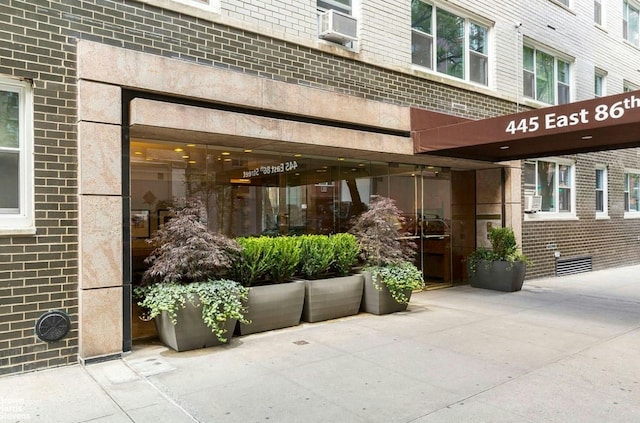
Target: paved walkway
(561, 350)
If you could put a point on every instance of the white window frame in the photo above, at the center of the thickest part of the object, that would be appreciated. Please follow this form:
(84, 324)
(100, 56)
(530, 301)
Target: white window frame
(468, 21)
(22, 221)
(628, 213)
(556, 82)
(604, 213)
(598, 12)
(555, 214)
(626, 5)
(629, 86)
(602, 76)
(331, 4)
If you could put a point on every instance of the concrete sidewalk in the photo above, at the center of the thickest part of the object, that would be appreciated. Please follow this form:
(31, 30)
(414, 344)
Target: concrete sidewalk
(561, 350)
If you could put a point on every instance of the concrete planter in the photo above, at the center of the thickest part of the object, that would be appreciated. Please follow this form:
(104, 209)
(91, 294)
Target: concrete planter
(332, 298)
(498, 275)
(190, 332)
(273, 307)
(379, 301)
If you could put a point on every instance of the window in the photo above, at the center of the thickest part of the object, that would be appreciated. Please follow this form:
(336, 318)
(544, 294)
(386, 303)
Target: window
(553, 181)
(630, 22)
(632, 192)
(546, 78)
(628, 87)
(461, 45)
(601, 191)
(597, 11)
(343, 6)
(565, 2)
(598, 83)
(16, 168)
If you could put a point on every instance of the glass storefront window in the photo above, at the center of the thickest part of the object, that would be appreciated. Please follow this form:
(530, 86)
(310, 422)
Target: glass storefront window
(253, 193)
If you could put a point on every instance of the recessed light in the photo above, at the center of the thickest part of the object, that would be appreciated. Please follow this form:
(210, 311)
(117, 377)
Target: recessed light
(587, 137)
(248, 150)
(504, 147)
(225, 153)
(297, 155)
(185, 156)
(191, 145)
(138, 153)
(192, 162)
(178, 150)
(341, 158)
(227, 160)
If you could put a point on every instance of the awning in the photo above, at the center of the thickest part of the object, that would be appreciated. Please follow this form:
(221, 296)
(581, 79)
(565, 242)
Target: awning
(604, 123)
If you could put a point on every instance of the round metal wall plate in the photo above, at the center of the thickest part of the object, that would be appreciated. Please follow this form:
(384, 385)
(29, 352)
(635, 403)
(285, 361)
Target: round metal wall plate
(53, 326)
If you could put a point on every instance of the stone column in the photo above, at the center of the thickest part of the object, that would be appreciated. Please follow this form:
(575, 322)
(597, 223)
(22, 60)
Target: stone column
(100, 221)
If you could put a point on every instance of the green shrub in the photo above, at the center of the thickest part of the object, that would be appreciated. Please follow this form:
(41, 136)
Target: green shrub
(316, 255)
(286, 256)
(346, 251)
(398, 278)
(503, 248)
(221, 300)
(257, 256)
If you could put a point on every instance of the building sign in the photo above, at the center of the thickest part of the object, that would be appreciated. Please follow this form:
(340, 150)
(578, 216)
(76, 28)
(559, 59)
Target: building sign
(553, 120)
(270, 170)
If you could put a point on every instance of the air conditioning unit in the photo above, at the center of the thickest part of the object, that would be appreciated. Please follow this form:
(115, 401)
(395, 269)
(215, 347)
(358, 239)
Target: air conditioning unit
(338, 27)
(532, 203)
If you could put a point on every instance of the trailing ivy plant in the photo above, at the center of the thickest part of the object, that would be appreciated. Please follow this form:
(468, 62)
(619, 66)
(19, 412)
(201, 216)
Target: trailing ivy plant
(221, 300)
(399, 278)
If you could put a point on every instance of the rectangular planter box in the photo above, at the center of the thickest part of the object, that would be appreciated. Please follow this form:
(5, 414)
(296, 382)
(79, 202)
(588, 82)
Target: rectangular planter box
(273, 307)
(379, 301)
(190, 332)
(498, 275)
(332, 298)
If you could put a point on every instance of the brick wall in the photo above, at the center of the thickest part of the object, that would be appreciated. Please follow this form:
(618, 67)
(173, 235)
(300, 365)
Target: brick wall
(610, 242)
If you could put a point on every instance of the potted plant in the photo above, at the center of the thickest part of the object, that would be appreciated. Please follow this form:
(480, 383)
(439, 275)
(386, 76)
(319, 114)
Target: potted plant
(325, 263)
(266, 266)
(387, 255)
(185, 288)
(502, 267)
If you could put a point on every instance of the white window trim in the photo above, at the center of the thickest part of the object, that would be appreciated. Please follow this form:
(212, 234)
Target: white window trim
(22, 223)
(528, 42)
(605, 194)
(468, 19)
(603, 16)
(557, 215)
(635, 5)
(602, 74)
(630, 214)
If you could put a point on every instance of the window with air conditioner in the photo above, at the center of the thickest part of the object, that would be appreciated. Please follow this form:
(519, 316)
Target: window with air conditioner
(16, 157)
(336, 22)
(448, 43)
(553, 182)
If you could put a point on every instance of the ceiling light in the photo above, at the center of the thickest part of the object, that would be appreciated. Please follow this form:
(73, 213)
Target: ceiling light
(225, 153)
(178, 150)
(587, 137)
(504, 147)
(185, 156)
(192, 162)
(297, 155)
(138, 153)
(248, 150)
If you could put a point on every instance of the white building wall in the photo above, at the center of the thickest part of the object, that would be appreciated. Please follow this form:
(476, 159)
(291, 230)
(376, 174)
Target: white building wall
(385, 37)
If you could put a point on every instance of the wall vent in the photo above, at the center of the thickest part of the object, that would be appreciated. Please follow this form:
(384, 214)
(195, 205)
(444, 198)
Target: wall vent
(573, 265)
